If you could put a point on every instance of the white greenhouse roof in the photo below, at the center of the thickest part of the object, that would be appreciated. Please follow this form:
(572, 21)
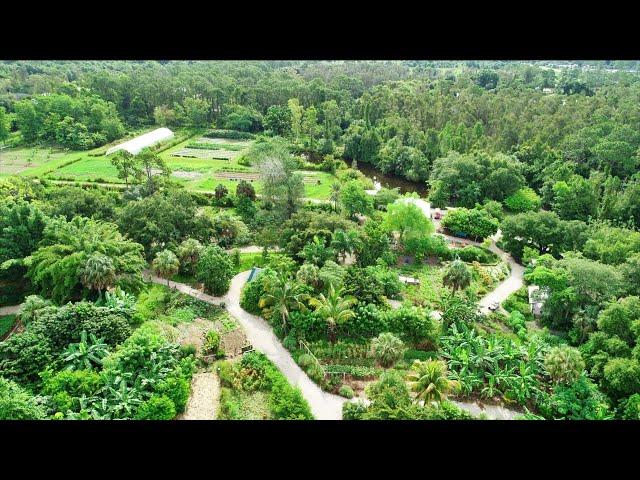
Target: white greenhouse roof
(135, 145)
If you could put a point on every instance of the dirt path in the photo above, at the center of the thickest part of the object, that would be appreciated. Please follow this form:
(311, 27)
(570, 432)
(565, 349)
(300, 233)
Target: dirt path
(204, 399)
(10, 310)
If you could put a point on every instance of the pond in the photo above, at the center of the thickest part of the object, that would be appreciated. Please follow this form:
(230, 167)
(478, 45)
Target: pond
(393, 181)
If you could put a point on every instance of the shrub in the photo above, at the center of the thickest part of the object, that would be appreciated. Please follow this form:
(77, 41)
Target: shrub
(391, 284)
(211, 343)
(215, 270)
(290, 342)
(353, 410)
(471, 253)
(158, 407)
(17, 404)
(232, 134)
(305, 360)
(414, 324)
(516, 322)
(226, 374)
(188, 350)
(632, 408)
(177, 389)
(66, 387)
(23, 356)
(253, 291)
(411, 355)
(368, 321)
(346, 391)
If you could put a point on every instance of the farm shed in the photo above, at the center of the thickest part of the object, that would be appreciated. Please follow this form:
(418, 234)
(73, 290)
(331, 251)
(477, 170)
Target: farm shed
(135, 145)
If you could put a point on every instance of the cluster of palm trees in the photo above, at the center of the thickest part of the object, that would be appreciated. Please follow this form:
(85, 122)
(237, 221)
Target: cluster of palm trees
(283, 295)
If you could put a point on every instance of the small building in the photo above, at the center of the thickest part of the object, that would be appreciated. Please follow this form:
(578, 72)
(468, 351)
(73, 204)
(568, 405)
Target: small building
(537, 297)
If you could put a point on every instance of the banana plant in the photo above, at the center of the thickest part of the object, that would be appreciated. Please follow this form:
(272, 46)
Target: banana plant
(85, 354)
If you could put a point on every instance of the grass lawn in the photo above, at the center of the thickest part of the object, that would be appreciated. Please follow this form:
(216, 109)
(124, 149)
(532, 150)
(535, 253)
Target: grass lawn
(6, 324)
(250, 260)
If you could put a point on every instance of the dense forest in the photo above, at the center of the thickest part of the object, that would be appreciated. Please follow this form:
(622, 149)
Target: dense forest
(539, 161)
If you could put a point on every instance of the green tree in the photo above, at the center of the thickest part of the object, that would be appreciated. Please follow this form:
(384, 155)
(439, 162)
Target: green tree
(149, 165)
(564, 364)
(457, 276)
(476, 223)
(127, 166)
(98, 273)
(188, 254)
(575, 199)
(166, 264)
(215, 270)
(619, 318)
(524, 200)
(428, 379)
(57, 266)
(278, 120)
(355, 200)
(408, 220)
(387, 348)
(297, 112)
(334, 309)
(621, 378)
(282, 295)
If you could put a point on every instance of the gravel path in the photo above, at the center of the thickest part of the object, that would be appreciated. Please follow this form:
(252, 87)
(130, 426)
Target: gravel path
(324, 406)
(493, 412)
(204, 398)
(509, 285)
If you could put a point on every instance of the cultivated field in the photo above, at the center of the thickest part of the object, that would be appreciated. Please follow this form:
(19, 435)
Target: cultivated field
(199, 163)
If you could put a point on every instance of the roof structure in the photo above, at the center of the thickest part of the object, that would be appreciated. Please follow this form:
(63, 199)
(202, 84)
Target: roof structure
(135, 145)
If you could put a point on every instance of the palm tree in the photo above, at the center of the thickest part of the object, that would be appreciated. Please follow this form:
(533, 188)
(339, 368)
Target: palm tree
(283, 295)
(564, 364)
(166, 264)
(457, 276)
(98, 273)
(188, 254)
(334, 309)
(429, 380)
(335, 195)
(343, 243)
(387, 348)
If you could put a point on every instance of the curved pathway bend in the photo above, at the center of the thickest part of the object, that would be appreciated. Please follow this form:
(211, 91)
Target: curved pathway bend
(324, 406)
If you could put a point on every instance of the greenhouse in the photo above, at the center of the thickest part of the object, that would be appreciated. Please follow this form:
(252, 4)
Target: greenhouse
(135, 145)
